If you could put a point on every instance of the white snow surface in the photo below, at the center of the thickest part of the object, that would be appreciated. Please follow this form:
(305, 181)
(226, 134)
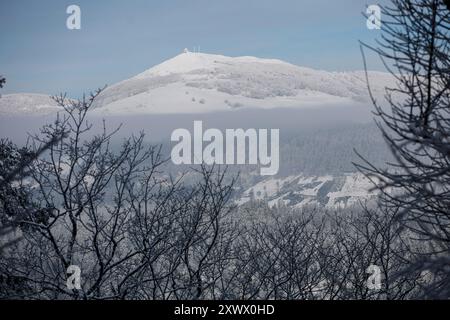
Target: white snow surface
(200, 83)
(27, 104)
(300, 190)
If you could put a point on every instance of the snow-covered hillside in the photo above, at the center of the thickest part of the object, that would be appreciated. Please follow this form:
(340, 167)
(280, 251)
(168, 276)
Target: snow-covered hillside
(300, 190)
(27, 104)
(199, 82)
(203, 83)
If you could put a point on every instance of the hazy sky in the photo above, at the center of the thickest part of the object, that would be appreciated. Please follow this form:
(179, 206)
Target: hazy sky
(119, 39)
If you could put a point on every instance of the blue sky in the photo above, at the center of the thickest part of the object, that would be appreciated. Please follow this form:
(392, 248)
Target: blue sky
(119, 39)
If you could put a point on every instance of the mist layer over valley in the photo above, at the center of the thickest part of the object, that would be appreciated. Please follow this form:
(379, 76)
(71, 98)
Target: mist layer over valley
(316, 143)
(322, 117)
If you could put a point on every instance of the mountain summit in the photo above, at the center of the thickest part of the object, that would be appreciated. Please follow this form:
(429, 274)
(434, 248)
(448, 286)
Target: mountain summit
(200, 82)
(191, 61)
(193, 82)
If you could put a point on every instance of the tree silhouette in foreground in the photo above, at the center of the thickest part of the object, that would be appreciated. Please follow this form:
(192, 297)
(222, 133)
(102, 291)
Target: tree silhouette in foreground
(112, 213)
(137, 233)
(415, 122)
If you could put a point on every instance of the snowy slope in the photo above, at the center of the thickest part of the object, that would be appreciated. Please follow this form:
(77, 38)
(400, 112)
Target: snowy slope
(27, 104)
(299, 190)
(199, 82)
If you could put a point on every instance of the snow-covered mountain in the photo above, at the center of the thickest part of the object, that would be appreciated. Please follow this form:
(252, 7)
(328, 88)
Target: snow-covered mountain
(27, 104)
(199, 82)
(338, 191)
